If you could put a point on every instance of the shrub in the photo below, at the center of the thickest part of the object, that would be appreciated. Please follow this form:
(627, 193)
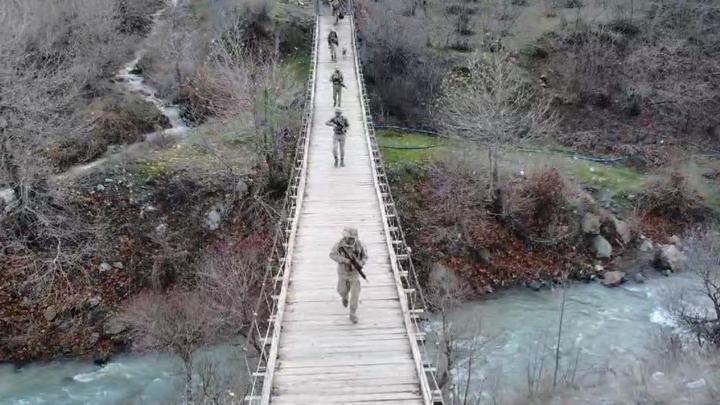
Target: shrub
(673, 198)
(117, 121)
(542, 207)
(625, 26)
(461, 46)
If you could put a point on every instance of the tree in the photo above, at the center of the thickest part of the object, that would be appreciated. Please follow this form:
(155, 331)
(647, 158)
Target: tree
(456, 348)
(701, 318)
(491, 102)
(51, 58)
(230, 277)
(178, 323)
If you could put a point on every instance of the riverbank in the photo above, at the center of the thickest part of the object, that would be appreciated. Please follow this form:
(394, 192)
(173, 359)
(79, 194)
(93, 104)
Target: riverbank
(557, 216)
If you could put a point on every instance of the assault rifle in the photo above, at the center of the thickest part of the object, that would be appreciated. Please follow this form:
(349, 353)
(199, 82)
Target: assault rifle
(353, 261)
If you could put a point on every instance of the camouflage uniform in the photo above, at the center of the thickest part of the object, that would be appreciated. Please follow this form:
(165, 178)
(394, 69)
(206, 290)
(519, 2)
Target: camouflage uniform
(333, 44)
(348, 285)
(340, 125)
(338, 83)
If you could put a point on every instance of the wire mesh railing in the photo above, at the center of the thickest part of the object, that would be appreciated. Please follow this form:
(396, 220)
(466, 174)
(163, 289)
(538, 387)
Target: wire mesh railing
(265, 326)
(401, 252)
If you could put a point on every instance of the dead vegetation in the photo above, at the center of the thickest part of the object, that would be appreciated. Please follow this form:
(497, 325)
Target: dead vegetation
(402, 73)
(638, 83)
(493, 104)
(532, 237)
(179, 323)
(697, 310)
(675, 199)
(136, 225)
(544, 209)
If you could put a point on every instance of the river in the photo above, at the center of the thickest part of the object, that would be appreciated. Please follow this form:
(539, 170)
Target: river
(604, 329)
(610, 327)
(127, 379)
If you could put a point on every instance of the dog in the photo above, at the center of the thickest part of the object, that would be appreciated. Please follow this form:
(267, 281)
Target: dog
(344, 52)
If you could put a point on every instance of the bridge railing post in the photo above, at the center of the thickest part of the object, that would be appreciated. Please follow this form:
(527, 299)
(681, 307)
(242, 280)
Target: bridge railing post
(401, 253)
(263, 326)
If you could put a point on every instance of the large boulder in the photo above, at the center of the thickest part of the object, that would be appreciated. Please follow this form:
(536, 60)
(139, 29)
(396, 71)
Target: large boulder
(213, 220)
(8, 200)
(613, 278)
(601, 247)
(534, 285)
(216, 216)
(622, 230)
(591, 224)
(50, 313)
(114, 327)
(669, 257)
(614, 229)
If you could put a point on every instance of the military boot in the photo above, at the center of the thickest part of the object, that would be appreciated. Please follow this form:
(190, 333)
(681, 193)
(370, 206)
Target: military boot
(353, 318)
(342, 163)
(336, 164)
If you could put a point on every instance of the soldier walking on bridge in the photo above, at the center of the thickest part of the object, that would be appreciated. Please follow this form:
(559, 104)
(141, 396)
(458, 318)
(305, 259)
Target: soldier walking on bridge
(338, 82)
(349, 252)
(337, 7)
(333, 43)
(340, 126)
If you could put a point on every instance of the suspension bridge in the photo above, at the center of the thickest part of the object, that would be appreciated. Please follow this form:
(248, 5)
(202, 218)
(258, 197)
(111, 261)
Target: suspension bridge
(308, 350)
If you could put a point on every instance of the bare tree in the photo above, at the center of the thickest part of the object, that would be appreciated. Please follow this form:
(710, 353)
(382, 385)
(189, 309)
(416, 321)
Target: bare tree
(494, 104)
(52, 55)
(701, 317)
(457, 348)
(178, 323)
(230, 278)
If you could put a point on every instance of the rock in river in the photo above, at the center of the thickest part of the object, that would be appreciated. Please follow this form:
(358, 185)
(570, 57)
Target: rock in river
(613, 278)
(669, 257)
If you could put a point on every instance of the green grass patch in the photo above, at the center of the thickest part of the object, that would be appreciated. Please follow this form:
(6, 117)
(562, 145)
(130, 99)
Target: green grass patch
(299, 66)
(407, 155)
(620, 180)
(409, 148)
(209, 148)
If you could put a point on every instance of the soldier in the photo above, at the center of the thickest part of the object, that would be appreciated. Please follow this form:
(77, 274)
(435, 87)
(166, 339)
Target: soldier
(340, 125)
(336, 10)
(348, 278)
(338, 82)
(333, 44)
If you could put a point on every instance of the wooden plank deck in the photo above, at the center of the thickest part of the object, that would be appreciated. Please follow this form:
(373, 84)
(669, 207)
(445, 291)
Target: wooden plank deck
(322, 358)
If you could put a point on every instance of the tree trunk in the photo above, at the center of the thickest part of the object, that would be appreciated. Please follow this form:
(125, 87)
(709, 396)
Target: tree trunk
(494, 194)
(188, 380)
(495, 176)
(559, 337)
(490, 162)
